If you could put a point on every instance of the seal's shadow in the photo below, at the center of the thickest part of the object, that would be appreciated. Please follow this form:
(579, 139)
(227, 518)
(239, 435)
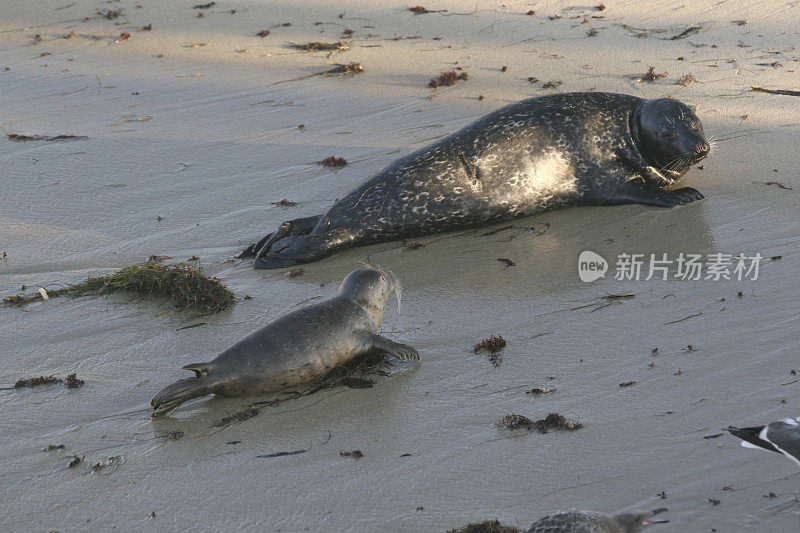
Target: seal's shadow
(542, 250)
(361, 373)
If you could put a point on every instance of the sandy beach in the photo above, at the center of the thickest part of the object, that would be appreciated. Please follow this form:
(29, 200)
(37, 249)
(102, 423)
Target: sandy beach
(188, 129)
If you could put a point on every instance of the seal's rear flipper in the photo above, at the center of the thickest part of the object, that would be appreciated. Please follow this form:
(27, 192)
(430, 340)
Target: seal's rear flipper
(296, 250)
(170, 397)
(298, 226)
(395, 349)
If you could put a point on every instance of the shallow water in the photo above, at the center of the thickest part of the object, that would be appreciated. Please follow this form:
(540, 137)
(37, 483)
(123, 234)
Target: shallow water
(218, 148)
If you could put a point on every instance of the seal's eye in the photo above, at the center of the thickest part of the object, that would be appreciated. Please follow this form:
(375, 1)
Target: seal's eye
(670, 135)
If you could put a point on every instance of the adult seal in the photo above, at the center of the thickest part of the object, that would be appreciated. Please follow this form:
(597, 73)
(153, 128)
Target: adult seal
(535, 155)
(298, 347)
(576, 521)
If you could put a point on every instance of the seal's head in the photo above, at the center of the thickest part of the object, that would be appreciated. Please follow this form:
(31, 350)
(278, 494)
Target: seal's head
(632, 522)
(371, 288)
(670, 136)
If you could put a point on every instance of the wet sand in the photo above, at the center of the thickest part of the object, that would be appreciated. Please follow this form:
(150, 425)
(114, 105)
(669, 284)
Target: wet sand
(205, 138)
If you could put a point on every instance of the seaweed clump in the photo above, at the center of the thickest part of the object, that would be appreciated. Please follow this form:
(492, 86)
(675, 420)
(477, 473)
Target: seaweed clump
(493, 344)
(333, 162)
(183, 283)
(355, 454)
(71, 381)
(488, 526)
(514, 421)
(284, 203)
(320, 46)
(240, 416)
(19, 137)
(446, 79)
(651, 75)
(421, 10)
(35, 382)
(552, 421)
(340, 69)
(175, 435)
(538, 391)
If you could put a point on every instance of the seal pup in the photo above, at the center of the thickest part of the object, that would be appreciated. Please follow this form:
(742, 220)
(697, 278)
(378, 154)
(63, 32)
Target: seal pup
(782, 436)
(535, 155)
(298, 347)
(575, 521)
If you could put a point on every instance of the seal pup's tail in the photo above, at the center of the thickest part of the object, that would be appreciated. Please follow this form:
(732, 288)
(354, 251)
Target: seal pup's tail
(172, 396)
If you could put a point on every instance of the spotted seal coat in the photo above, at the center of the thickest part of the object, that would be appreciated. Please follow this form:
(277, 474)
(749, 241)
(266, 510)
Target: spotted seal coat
(296, 348)
(535, 155)
(575, 521)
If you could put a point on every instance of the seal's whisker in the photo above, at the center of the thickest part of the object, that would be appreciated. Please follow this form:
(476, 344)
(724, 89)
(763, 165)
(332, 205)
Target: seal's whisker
(680, 163)
(672, 161)
(728, 139)
(398, 292)
(675, 162)
(735, 134)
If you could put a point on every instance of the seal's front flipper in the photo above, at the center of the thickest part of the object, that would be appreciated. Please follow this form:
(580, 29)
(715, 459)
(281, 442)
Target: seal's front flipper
(677, 197)
(395, 349)
(298, 226)
(637, 194)
(299, 249)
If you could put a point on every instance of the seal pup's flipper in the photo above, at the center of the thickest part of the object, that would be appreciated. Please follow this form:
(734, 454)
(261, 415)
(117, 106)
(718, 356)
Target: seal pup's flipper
(200, 369)
(170, 397)
(299, 249)
(403, 352)
(298, 226)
